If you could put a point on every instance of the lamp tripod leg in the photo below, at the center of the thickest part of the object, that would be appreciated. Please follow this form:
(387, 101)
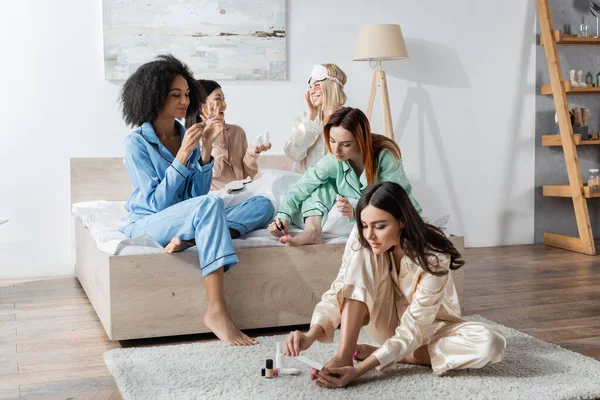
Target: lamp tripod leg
(387, 114)
(372, 95)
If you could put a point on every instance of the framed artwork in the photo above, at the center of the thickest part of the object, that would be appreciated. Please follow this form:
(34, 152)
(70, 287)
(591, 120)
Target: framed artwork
(217, 39)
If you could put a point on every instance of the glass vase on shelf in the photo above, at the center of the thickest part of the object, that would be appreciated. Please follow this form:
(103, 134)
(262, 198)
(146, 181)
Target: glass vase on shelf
(589, 79)
(594, 181)
(584, 31)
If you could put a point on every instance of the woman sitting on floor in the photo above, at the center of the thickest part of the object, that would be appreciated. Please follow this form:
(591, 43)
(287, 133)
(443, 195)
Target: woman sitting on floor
(234, 159)
(357, 158)
(395, 280)
(324, 96)
(171, 178)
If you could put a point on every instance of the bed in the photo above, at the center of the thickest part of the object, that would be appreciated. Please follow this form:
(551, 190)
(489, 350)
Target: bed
(158, 294)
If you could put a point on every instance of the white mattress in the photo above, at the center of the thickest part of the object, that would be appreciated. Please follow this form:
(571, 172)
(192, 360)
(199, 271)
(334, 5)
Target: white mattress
(104, 220)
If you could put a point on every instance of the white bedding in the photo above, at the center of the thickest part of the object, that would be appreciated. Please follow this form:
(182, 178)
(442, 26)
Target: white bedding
(104, 219)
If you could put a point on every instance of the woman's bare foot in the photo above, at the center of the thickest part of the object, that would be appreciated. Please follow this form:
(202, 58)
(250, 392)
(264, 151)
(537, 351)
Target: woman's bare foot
(363, 351)
(335, 362)
(218, 321)
(419, 356)
(176, 245)
(309, 236)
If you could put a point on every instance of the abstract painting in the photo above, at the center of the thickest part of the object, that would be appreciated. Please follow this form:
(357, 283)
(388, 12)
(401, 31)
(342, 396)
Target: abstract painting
(217, 39)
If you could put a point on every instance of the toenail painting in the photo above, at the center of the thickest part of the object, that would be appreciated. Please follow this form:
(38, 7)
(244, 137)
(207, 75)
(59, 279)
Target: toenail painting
(220, 39)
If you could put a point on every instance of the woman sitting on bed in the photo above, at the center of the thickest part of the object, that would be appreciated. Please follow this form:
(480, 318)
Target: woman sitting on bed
(324, 96)
(395, 281)
(171, 178)
(357, 159)
(234, 159)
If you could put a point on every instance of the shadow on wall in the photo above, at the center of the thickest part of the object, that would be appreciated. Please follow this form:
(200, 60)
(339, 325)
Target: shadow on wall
(423, 67)
(512, 201)
(431, 64)
(581, 5)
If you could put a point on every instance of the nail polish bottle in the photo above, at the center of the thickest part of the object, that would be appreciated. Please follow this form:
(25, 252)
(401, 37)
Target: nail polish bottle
(262, 372)
(269, 369)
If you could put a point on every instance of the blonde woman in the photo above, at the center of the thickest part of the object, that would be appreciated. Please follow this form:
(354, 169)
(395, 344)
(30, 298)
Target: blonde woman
(324, 97)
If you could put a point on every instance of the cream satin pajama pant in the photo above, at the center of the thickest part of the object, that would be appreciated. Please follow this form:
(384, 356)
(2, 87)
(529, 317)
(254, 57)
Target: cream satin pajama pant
(451, 344)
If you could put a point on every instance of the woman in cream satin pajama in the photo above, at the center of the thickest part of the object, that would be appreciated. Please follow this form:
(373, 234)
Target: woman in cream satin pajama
(424, 310)
(395, 281)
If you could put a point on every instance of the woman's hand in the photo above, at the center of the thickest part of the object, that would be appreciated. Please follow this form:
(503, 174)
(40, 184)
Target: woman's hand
(296, 342)
(311, 110)
(213, 125)
(344, 207)
(213, 129)
(262, 147)
(336, 377)
(190, 142)
(275, 231)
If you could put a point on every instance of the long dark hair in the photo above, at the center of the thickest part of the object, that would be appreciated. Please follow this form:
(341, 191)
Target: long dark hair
(369, 144)
(144, 93)
(419, 238)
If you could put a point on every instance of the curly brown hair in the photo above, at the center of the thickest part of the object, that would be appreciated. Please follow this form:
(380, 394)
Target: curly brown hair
(144, 93)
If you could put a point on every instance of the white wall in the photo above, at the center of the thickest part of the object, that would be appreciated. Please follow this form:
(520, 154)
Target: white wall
(462, 106)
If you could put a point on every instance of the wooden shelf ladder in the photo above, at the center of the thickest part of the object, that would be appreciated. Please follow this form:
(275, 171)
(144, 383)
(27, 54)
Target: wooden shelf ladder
(585, 242)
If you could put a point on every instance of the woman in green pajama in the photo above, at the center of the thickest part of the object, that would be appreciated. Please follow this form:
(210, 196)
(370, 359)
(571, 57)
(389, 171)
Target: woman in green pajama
(357, 159)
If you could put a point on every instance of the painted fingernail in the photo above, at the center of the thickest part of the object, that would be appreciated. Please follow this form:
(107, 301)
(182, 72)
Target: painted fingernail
(355, 355)
(288, 235)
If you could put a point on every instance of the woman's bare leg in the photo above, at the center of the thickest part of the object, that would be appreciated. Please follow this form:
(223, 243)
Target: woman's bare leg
(217, 317)
(312, 233)
(419, 356)
(354, 313)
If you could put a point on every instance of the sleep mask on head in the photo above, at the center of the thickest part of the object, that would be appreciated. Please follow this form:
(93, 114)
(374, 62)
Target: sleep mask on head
(319, 73)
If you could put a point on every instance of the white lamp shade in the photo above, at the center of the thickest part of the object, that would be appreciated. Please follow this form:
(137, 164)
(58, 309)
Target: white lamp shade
(380, 42)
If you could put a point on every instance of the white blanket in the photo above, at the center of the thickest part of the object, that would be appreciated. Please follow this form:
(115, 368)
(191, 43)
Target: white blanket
(105, 219)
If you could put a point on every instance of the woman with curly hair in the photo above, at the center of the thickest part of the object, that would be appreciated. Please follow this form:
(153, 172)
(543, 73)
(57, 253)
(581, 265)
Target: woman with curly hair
(357, 159)
(171, 177)
(395, 281)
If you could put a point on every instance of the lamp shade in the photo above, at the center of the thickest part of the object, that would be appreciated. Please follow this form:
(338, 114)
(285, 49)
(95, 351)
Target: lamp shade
(380, 42)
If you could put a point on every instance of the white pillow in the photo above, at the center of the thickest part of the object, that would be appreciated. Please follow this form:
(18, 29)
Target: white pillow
(337, 224)
(272, 184)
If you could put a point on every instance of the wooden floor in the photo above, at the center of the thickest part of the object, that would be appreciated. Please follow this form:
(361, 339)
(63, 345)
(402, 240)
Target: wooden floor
(51, 342)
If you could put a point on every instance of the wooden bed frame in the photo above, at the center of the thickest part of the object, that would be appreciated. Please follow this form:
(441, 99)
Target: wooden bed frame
(151, 295)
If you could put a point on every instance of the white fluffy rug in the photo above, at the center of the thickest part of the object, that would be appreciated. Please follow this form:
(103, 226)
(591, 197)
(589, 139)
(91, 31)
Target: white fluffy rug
(532, 369)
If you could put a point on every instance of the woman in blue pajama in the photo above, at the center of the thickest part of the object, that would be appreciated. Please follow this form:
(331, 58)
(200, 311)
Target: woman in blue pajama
(171, 179)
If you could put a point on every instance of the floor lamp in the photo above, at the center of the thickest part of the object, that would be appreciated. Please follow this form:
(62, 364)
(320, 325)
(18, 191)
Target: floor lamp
(379, 43)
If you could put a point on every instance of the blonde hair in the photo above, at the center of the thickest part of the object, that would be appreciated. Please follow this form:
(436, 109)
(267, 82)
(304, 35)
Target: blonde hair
(333, 94)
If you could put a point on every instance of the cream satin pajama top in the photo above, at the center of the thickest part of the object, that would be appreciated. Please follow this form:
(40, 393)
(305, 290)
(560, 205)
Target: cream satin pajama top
(408, 307)
(306, 146)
